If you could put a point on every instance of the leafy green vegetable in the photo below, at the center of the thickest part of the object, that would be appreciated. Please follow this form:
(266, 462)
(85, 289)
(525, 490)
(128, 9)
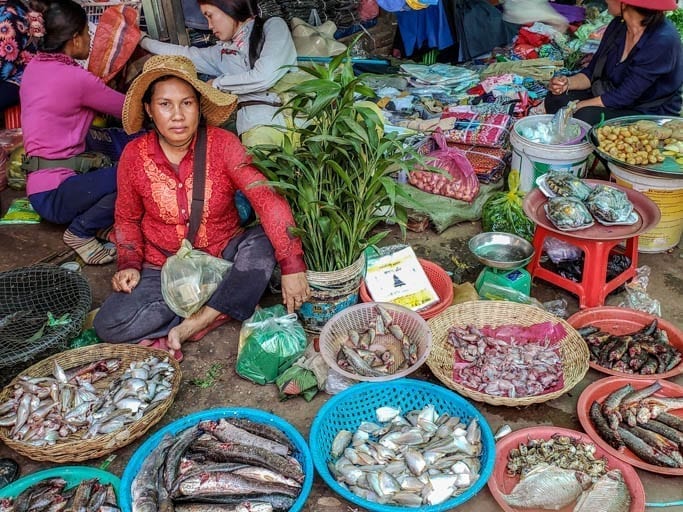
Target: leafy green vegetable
(676, 18)
(210, 376)
(503, 211)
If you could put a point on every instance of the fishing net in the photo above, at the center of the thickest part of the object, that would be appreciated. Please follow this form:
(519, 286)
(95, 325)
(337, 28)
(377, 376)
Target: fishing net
(41, 308)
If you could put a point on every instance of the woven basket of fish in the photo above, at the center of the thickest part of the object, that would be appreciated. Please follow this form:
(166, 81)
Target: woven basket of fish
(227, 457)
(390, 446)
(42, 307)
(504, 353)
(88, 488)
(87, 402)
(375, 341)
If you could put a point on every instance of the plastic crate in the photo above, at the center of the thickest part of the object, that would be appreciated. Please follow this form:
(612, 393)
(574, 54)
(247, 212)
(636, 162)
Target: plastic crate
(95, 9)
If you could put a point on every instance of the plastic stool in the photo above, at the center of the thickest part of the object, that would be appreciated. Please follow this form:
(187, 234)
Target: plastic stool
(594, 286)
(13, 117)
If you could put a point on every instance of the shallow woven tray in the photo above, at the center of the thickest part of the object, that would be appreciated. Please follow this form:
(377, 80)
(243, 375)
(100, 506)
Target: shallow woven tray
(74, 448)
(573, 349)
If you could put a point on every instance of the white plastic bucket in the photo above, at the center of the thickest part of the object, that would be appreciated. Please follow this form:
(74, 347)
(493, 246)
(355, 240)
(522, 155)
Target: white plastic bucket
(667, 194)
(533, 159)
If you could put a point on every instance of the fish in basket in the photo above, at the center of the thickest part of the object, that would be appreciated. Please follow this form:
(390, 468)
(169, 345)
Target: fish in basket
(87, 402)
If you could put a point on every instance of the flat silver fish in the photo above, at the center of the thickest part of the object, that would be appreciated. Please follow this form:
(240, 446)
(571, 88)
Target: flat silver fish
(608, 494)
(549, 487)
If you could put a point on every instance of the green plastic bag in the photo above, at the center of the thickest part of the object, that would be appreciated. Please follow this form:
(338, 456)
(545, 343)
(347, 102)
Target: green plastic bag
(270, 341)
(503, 211)
(20, 212)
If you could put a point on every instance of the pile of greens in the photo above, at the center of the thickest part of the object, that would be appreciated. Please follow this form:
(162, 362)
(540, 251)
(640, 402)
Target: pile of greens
(676, 18)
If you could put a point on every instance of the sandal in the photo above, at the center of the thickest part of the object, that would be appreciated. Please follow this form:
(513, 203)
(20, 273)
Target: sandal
(220, 320)
(162, 344)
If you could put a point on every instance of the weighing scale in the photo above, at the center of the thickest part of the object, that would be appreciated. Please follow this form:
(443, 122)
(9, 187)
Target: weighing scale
(504, 255)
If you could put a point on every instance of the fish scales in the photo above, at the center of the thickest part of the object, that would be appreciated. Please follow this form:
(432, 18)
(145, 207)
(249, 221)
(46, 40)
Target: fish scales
(229, 433)
(262, 430)
(279, 502)
(175, 453)
(220, 507)
(144, 487)
(235, 452)
(645, 451)
(229, 484)
(608, 494)
(549, 487)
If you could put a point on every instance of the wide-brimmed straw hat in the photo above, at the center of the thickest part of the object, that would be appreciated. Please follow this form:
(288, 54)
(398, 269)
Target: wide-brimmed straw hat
(655, 5)
(216, 106)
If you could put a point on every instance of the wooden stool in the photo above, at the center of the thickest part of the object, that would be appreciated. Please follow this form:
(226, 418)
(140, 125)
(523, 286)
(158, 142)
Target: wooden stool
(13, 117)
(594, 286)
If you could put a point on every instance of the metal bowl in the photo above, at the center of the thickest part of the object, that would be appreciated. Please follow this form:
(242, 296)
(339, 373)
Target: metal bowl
(501, 250)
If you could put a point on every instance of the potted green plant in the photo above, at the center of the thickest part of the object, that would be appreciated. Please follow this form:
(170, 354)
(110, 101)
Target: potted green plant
(337, 169)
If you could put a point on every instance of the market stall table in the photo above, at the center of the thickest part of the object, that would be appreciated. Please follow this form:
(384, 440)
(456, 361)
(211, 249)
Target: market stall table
(597, 243)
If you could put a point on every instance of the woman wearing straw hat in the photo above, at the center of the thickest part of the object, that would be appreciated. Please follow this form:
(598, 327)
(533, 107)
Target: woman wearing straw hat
(638, 68)
(154, 212)
(250, 58)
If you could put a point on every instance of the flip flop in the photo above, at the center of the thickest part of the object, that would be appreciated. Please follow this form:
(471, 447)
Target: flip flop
(162, 344)
(220, 320)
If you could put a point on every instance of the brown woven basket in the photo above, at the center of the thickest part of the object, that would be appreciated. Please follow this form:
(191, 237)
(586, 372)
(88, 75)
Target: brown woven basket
(74, 448)
(573, 349)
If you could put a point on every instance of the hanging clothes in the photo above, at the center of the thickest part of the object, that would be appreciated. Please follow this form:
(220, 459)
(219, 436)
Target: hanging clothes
(426, 27)
(478, 27)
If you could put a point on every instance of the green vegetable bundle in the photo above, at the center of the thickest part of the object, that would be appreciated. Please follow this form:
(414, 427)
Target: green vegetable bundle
(503, 211)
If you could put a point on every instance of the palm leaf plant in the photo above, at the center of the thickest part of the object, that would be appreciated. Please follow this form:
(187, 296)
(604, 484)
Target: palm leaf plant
(336, 167)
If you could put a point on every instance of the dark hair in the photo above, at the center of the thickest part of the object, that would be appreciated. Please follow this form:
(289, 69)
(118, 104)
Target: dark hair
(651, 18)
(62, 20)
(147, 97)
(242, 10)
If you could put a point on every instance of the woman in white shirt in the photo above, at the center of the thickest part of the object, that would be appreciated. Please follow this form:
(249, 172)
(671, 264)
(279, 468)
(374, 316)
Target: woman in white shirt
(250, 57)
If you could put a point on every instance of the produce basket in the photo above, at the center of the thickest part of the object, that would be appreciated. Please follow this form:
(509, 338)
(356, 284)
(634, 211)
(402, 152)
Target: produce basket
(72, 474)
(573, 349)
(75, 448)
(301, 453)
(27, 295)
(336, 332)
(440, 281)
(354, 405)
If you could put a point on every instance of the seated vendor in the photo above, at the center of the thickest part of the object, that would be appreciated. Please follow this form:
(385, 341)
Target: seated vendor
(638, 68)
(154, 213)
(59, 100)
(252, 55)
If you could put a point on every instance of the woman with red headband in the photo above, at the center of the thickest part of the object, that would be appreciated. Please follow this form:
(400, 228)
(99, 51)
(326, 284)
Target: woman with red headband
(250, 57)
(638, 68)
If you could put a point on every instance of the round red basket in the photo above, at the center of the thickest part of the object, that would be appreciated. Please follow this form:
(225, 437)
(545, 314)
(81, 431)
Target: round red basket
(441, 282)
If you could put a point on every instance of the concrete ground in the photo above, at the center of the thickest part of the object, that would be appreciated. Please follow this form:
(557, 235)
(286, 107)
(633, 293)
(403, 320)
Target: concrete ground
(24, 245)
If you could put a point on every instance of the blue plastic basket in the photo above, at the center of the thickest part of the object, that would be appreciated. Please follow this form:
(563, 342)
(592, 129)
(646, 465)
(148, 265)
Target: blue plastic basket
(351, 407)
(73, 475)
(301, 453)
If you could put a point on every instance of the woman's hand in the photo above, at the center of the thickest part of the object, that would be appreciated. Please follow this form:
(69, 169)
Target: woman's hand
(125, 280)
(558, 85)
(295, 290)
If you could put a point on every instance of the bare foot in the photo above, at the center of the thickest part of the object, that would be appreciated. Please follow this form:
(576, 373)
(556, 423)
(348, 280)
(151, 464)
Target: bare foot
(191, 325)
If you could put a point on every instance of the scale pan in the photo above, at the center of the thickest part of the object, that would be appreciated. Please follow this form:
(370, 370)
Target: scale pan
(501, 250)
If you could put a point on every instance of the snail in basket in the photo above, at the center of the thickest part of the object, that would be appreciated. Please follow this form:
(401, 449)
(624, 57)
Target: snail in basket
(362, 354)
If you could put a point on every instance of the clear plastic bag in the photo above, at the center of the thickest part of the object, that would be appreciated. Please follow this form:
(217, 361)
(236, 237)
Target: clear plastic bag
(189, 278)
(270, 341)
(636, 293)
(559, 250)
(336, 382)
